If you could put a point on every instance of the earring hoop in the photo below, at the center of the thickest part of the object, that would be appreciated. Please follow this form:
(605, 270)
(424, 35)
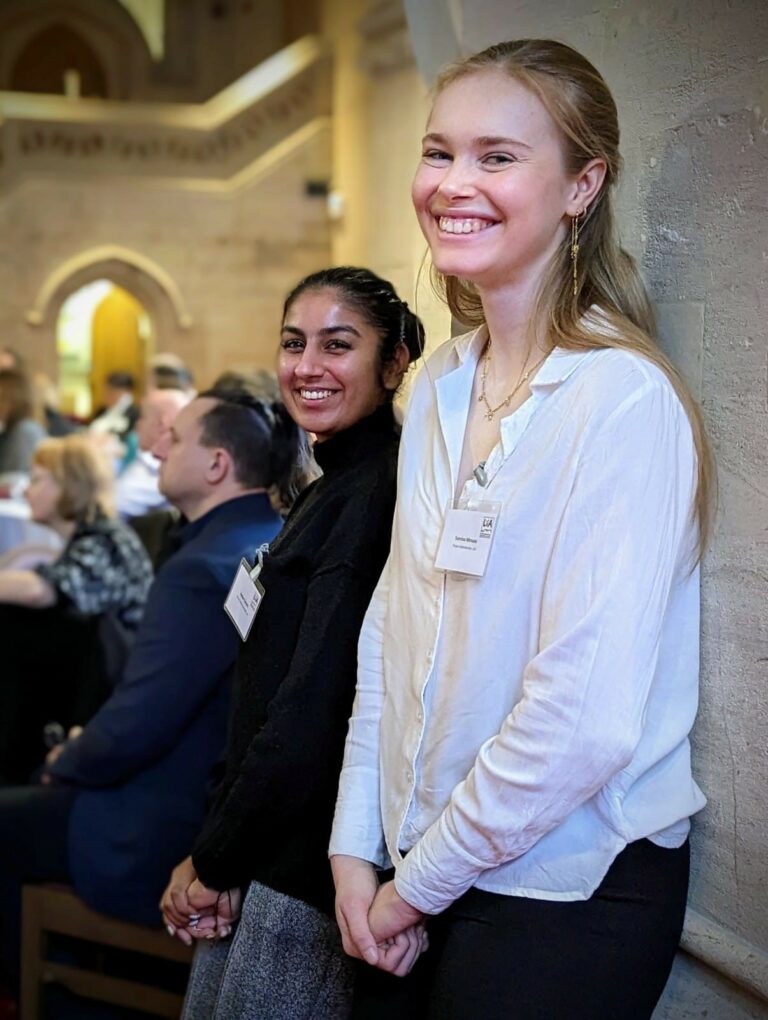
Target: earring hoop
(575, 250)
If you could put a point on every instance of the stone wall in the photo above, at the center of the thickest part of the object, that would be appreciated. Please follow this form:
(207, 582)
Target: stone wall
(381, 105)
(691, 82)
(230, 256)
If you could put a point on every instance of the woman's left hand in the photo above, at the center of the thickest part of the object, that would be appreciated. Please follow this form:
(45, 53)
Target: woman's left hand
(398, 954)
(390, 914)
(215, 911)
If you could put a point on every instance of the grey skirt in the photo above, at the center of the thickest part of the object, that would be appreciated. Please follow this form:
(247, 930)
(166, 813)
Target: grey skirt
(284, 962)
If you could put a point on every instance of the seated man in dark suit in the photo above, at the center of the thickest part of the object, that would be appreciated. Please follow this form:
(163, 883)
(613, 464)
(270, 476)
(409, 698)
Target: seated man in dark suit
(122, 803)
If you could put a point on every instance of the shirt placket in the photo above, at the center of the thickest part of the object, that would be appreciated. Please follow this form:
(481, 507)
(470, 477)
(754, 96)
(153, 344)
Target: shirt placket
(513, 429)
(436, 612)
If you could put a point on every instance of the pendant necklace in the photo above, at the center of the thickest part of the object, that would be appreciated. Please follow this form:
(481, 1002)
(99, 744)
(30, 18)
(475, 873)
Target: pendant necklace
(525, 375)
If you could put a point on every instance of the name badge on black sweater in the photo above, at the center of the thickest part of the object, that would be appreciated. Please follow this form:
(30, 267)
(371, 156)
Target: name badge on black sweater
(245, 595)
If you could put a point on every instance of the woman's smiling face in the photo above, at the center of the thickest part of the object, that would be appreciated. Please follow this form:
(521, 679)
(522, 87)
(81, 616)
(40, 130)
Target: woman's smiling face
(491, 193)
(329, 366)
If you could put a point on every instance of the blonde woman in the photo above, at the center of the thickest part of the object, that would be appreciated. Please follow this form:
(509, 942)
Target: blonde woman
(102, 569)
(518, 752)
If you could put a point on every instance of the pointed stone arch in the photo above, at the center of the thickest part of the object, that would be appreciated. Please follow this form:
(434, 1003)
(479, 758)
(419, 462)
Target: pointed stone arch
(108, 29)
(136, 273)
(151, 284)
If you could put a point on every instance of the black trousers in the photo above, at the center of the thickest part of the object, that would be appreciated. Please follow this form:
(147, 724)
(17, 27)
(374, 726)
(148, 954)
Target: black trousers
(34, 821)
(510, 957)
(52, 671)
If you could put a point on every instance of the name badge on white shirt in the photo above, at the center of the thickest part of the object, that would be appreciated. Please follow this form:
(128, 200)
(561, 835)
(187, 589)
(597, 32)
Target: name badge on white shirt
(468, 531)
(242, 603)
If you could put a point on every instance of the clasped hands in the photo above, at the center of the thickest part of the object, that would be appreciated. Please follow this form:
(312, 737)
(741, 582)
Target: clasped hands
(193, 911)
(377, 925)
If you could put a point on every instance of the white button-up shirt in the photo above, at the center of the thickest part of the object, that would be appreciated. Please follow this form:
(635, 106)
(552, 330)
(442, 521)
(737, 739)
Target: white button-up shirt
(514, 732)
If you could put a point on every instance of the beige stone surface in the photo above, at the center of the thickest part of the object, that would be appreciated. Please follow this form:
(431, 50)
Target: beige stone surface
(232, 257)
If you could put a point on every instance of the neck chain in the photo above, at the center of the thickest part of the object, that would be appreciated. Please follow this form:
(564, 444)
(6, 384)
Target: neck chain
(524, 377)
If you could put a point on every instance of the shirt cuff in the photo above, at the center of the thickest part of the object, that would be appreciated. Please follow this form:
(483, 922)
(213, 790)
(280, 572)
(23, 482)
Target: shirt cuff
(351, 845)
(424, 880)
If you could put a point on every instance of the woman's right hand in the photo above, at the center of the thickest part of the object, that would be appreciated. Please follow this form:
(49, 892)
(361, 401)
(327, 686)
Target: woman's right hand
(356, 886)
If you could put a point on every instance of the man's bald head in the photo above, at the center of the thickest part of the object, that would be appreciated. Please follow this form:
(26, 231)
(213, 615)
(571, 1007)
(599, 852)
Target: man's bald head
(158, 409)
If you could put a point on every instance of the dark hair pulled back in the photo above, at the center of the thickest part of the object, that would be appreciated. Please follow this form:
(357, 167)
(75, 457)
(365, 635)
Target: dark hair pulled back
(267, 447)
(377, 302)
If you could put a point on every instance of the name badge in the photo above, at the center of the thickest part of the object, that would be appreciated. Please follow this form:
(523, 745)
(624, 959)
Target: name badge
(465, 543)
(242, 603)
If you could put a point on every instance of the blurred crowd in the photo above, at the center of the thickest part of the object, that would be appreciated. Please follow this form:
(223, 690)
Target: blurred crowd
(97, 655)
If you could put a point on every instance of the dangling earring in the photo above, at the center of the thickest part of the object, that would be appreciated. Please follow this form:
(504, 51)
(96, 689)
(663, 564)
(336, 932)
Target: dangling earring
(575, 251)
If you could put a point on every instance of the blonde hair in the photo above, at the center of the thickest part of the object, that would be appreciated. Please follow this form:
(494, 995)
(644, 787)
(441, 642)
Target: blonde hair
(580, 103)
(84, 474)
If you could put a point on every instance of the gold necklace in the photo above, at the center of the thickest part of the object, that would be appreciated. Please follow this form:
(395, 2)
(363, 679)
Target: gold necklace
(525, 375)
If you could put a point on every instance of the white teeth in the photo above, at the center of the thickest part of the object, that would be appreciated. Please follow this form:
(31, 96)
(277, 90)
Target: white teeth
(315, 394)
(452, 225)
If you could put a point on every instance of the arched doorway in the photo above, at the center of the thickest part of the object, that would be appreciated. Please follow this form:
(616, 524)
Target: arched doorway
(101, 328)
(169, 324)
(56, 60)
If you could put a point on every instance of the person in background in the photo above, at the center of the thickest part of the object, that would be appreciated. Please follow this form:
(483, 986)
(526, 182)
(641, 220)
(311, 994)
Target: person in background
(264, 385)
(166, 370)
(167, 377)
(20, 433)
(137, 490)
(47, 399)
(261, 382)
(102, 566)
(519, 747)
(49, 615)
(119, 414)
(11, 358)
(122, 802)
(346, 341)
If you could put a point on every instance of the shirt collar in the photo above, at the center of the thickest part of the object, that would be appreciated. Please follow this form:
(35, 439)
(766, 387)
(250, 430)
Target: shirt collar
(560, 363)
(149, 460)
(253, 506)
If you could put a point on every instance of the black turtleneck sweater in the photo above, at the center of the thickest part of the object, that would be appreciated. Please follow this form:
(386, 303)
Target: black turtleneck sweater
(296, 674)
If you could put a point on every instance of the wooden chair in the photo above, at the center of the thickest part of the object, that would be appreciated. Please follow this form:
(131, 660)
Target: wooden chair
(55, 909)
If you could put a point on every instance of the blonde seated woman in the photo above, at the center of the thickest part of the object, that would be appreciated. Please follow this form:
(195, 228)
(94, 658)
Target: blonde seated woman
(49, 615)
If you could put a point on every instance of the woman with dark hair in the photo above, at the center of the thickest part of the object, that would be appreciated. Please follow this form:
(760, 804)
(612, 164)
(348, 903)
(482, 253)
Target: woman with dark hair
(347, 339)
(519, 750)
(19, 432)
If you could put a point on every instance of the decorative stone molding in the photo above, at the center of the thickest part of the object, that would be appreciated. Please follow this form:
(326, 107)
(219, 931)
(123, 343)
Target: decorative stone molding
(94, 262)
(386, 41)
(213, 140)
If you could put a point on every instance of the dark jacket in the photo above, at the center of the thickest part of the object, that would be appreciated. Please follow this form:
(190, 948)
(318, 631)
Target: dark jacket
(143, 762)
(296, 675)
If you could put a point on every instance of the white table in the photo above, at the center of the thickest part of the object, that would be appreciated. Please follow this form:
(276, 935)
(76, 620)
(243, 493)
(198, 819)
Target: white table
(16, 528)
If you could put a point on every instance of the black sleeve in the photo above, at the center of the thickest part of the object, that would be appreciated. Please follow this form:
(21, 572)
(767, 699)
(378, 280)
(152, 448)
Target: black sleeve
(297, 753)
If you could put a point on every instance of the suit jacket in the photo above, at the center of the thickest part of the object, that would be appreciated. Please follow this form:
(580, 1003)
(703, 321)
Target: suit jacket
(142, 763)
